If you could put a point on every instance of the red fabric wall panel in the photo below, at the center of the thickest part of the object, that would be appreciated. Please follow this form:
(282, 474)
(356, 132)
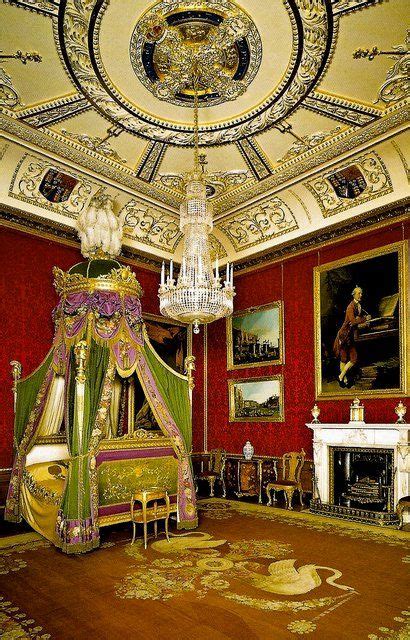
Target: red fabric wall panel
(27, 299)
(291, 281)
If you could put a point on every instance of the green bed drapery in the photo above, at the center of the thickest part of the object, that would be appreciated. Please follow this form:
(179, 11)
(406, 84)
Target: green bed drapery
(31, 396)
(76, 525)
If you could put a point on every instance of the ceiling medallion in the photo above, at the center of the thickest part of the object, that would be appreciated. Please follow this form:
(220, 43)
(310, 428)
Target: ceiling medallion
(221, 39)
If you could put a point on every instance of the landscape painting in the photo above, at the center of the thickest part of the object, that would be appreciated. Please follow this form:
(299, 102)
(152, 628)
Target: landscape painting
(255, 337)
(256, 399)
(360, 324)
(169, 339)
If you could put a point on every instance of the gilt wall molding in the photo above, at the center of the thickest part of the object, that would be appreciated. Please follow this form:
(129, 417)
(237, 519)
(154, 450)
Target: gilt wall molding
(47, 8)
(27, 178)
(150, 226)
(49, 141)
(267, 220)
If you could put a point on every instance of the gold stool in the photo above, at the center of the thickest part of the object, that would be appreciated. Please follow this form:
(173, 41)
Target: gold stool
(151, 513)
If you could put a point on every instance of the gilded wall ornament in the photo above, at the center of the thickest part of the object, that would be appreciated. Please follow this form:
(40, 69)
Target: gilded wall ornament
(49, 113)
(150, 225)
(352, 184)
(258, 224)
(44, 7)
(77, 40)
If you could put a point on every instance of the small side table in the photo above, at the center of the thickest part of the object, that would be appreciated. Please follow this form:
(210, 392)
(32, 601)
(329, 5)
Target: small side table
(151, 513)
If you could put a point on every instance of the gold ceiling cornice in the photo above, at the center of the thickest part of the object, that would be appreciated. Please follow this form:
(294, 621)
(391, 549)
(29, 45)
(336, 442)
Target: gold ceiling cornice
(325, 153)
(86, 159)
(329, 152)
(370, 221)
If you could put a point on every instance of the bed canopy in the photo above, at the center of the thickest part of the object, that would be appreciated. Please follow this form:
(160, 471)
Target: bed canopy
(100, 363)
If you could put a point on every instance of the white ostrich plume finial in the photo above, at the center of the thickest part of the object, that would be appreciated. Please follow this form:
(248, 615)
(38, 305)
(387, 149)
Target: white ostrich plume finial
(99, 229)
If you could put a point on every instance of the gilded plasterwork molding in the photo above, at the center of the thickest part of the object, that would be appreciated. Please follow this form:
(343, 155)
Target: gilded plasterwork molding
(150, 161)
(45, 7)
(255, 158)
(78, 30)
(340, 7)
(150, 225)
(307, 142)
(86, 158)
(49, 113)
(27, 179)
(402, 158)
(9, 96)
(216, 247)
(96, 144)
(375, 182)
(3, 148)
(267, 220)
(341, 109)
(329, 150)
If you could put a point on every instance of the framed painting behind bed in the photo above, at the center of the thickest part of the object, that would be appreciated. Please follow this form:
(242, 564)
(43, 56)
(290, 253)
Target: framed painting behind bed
(172, 340)
(255, 336)
(360, 307)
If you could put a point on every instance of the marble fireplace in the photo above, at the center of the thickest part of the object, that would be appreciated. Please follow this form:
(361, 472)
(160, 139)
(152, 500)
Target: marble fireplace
(361, 470)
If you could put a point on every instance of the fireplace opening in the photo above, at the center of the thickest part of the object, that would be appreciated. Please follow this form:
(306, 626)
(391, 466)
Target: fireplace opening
(362, 478)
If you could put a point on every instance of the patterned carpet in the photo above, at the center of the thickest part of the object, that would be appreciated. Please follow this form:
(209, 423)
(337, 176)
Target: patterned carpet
(248, 571)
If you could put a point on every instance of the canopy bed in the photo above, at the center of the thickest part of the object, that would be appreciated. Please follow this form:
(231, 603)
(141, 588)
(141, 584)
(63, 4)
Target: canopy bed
(102, 417)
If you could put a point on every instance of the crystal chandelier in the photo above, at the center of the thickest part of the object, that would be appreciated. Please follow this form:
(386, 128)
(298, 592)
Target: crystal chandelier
(197, 295)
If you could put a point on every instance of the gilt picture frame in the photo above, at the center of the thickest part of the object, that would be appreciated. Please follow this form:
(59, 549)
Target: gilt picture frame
(360, 317)
(255, 337)
(256, 399)
(172, 340)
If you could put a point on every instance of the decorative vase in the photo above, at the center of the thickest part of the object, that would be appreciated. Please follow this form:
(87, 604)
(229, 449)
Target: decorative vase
(315, 414)
(400, 412)
(248, 451)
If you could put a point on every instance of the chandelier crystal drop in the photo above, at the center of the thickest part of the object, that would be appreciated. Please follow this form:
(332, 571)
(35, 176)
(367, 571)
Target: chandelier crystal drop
(197, 296)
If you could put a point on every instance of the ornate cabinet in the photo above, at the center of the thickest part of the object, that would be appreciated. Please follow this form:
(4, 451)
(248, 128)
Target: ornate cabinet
(248, 478)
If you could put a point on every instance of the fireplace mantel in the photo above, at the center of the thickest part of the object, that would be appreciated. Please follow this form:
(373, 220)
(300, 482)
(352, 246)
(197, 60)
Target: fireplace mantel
(359, 434)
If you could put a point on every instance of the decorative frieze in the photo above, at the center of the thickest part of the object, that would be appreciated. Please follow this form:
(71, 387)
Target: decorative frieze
(258, 224)
(150, 225)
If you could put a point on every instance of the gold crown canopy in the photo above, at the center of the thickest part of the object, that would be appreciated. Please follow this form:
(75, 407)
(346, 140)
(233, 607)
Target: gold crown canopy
(122, 281)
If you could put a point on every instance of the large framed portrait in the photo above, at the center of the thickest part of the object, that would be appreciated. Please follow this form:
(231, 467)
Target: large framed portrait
(255, 336)
(360, 324)
(256, 399)
(172, 340)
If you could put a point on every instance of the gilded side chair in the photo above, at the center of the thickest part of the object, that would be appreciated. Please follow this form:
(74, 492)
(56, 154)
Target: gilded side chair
(292, 465)
(215, 472)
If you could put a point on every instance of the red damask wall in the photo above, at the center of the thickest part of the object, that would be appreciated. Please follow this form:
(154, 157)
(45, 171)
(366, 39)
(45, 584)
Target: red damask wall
(292, 282)
(27, 298)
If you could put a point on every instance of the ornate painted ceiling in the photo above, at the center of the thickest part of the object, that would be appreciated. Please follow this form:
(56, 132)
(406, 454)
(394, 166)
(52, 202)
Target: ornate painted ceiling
(303, 115)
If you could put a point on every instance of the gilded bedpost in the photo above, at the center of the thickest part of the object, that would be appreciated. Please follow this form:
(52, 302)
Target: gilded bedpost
(16, 370)
(189, 369)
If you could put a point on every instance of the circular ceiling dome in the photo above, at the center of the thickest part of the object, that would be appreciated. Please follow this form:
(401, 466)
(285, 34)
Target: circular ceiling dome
(256, 62)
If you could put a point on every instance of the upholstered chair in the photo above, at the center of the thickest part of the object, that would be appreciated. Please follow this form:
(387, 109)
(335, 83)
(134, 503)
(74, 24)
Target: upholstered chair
(292, 464)
(215, 471)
